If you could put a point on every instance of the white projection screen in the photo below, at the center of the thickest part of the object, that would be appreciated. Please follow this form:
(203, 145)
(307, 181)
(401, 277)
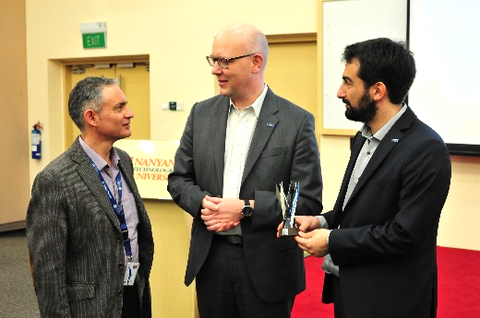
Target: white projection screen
(444, 36)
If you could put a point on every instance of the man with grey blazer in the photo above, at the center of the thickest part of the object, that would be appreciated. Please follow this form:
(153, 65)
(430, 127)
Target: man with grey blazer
(89, 234)
(235, 149)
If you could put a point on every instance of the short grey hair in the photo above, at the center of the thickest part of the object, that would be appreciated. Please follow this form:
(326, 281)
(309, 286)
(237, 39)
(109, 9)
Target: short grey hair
(87, 94)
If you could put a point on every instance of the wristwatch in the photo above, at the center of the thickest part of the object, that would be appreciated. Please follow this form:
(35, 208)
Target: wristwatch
(247, 210)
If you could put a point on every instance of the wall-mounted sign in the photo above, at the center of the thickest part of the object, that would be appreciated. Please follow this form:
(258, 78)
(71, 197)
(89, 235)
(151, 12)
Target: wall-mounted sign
(152, 161)
(94, 35)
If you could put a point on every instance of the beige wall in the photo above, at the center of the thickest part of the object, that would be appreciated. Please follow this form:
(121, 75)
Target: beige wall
(460, 216)
(14, 158)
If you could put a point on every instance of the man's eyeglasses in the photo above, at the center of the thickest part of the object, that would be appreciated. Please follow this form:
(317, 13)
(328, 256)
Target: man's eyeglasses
(223, 62)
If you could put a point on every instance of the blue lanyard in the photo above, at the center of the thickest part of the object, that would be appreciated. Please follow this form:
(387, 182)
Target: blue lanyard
(118, 211)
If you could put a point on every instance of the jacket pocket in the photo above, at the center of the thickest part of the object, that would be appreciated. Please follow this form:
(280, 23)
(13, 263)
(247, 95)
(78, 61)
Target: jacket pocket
(80, 290)
(273, 152)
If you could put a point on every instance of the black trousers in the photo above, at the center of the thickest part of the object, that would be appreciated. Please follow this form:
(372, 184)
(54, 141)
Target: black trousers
(224, 288)
(337, 298)
(131, 303)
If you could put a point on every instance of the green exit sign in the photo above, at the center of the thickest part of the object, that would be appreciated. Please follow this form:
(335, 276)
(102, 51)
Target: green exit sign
(93, 40)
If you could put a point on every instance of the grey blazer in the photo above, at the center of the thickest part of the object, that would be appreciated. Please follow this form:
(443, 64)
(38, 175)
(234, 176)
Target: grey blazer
(283, 148)
(75, 241)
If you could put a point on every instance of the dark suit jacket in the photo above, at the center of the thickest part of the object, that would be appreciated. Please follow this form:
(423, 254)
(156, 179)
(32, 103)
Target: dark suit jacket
(75, 241)
(283, 148)
(386, 244)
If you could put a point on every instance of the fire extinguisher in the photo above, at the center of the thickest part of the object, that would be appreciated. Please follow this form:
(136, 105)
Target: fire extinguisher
(36, 141)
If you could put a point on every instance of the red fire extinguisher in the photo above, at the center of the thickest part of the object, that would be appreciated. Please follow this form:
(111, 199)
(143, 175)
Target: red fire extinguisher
(36, 141)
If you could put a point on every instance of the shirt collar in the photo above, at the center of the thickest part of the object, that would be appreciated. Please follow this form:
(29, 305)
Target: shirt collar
(257, 104)
(97, 160)
(367, 132)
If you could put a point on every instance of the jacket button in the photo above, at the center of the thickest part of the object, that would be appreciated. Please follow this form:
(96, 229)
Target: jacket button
(120, 266)
(120, 292)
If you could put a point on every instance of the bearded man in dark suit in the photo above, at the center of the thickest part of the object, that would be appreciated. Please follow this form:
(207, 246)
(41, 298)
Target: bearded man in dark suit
(381, 234)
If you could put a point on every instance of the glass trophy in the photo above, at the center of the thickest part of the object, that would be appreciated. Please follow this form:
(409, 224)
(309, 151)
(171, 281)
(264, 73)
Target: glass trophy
(288, 204)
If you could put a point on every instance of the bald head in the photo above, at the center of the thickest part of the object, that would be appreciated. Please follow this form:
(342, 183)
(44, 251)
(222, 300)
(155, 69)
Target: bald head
(245, 37)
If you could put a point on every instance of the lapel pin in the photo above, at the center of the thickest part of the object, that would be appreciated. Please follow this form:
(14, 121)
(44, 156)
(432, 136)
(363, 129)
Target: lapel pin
(395, 140)
(271, 125)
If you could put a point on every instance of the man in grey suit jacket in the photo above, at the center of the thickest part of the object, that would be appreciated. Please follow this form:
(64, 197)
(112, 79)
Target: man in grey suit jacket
(382, 246)
(235, 148)
(89, 234)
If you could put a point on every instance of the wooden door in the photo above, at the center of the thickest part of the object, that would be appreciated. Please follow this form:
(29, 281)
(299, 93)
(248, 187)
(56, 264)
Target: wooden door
(134, 80)
(292, 69)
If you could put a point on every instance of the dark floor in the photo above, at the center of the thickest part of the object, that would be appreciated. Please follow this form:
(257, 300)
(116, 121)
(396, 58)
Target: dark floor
(17, 297)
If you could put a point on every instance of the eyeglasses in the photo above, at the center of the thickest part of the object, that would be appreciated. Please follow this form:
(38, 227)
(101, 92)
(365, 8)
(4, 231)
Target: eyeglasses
(223, 62)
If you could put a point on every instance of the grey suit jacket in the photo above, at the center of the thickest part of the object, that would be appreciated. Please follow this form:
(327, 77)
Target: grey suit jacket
(386, 244)
(283, 148)
(75, 241)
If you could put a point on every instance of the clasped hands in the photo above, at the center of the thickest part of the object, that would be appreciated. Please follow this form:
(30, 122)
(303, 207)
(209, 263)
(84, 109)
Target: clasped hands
(221, 214)
(311, 238)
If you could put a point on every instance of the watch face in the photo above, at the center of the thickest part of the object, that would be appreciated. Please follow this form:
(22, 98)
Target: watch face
(247, 211)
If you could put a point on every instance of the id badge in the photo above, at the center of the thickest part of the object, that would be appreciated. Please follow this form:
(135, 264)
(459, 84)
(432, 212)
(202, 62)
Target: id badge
(130, 273)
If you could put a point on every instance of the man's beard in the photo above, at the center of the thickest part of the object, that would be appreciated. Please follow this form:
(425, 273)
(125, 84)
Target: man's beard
(364, 112)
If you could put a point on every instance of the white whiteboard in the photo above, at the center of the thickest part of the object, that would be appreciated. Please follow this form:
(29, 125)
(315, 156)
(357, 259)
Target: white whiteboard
(445, 41)
(346, 22)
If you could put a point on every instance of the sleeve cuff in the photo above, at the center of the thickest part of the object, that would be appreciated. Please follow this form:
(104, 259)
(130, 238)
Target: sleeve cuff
(323, 221)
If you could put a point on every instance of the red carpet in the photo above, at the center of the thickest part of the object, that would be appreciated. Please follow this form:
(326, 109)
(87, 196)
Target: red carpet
(458, 286)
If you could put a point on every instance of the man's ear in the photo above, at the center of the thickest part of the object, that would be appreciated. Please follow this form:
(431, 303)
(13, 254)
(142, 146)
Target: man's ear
(379, 91)
(90, 117)
(257, 63)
